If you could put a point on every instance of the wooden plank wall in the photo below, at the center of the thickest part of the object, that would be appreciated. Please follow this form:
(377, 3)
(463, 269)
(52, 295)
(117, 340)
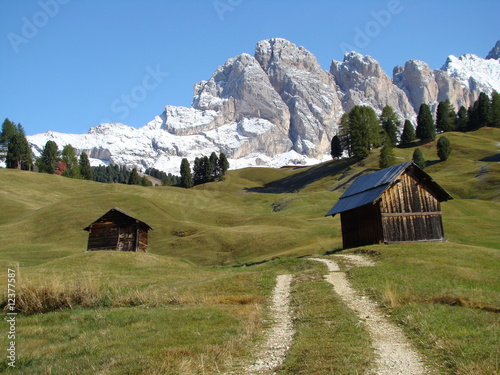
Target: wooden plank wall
(103, 236)
(410, 212)
(361, 226)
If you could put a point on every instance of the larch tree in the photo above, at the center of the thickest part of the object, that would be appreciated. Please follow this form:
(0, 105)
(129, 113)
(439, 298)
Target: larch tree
(426, 131)
(408, 135)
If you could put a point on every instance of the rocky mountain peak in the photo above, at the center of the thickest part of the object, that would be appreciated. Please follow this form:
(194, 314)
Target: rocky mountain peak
(279, 107)
(495, 52)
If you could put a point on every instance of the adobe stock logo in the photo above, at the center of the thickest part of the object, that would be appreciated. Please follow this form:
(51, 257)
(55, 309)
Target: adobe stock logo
(131, 100)
(373, 28)
(224, 6)
(31, 26)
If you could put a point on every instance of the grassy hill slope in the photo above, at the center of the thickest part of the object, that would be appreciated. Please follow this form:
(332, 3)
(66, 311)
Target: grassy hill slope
(193, 306)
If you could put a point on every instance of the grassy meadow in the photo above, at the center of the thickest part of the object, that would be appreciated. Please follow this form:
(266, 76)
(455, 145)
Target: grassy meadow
(196, 303)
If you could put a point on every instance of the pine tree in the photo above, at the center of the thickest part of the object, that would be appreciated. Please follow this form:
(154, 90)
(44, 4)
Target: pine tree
(426, 131)
(49, 158)
(68, 156)
(443, 148)
(364, 131)
(85, 169)
(145, 181)
(186, 177)
(214, 159)
(480, 114)
(223, 164)
(445, 116)
(208, 168)
(198, 171)
(408, 135)
(336, 148)
(495, 109)
(390, 123)
(345, 134)
(418, 158)
(462, 120)
(134, 179)
(386, 157)
(8, 131)
(19, 153)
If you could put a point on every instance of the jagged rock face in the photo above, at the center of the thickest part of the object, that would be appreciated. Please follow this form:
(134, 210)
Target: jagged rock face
(308, 91)
(450, 88)
(363, 82)
(241, 89)
(279, 107)
(417, 80)
(475, 74)
(495, 52)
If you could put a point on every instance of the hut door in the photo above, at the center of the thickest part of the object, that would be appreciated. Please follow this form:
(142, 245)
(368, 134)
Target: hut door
(127, 239)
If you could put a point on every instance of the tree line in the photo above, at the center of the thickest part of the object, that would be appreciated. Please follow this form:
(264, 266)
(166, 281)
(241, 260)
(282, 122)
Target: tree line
(205, 169)
(361, 130)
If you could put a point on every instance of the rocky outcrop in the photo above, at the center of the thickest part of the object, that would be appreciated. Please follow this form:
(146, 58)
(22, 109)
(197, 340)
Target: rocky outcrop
(495, 52)
(363, 82)
(279, 107)
(308, 91)
(417, 80)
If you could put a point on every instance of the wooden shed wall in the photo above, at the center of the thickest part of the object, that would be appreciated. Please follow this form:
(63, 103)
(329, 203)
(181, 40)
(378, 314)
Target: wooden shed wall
(103, 236)
(361, 226)
(410, 212)
(115, 231)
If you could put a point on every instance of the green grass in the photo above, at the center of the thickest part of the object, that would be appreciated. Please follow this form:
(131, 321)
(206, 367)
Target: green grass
(196, 302)
(329, 339)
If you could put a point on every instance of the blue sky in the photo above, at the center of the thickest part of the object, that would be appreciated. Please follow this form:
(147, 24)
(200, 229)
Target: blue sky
(68, 65)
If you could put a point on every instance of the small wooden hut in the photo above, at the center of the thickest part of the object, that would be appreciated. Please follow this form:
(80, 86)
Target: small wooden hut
(397, 204)
(117, 230)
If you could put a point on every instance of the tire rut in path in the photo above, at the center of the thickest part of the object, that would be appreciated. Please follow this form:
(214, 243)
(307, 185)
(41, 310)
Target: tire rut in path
(279, 336)
(394, 353)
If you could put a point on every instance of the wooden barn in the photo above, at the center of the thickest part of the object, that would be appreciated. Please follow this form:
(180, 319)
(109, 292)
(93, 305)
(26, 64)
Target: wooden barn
(117, 230)
(397, 204)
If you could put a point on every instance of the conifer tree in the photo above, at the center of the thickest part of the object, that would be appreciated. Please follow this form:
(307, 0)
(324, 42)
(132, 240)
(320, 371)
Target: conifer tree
(223, 164)
(85, 169)
(198, 171)
(462, 120)
(186, 176)
(214, 159)
(386, 157)
(390, 123)
(134, 179)
(408, 135)
(443, 148)
(68, 156)
(418, 158)
(480, 113)
(49, 158)
(19, 153)
(426, 131)
(336, 148)
(445, 116)
(145, 181)
(208, 169)
(364, 131)
(495, 109)
(8, 131)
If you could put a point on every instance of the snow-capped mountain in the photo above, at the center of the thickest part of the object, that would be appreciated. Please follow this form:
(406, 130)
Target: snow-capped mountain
(278, 107)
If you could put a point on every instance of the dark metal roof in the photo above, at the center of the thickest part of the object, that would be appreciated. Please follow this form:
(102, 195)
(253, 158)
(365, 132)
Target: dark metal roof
(115, 209)
(369, 187)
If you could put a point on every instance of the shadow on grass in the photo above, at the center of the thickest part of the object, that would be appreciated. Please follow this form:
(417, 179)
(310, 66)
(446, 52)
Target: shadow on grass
(300, 180)
(492, 158)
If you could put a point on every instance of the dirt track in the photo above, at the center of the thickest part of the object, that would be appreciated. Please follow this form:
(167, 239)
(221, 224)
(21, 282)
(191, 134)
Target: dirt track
(394, 352)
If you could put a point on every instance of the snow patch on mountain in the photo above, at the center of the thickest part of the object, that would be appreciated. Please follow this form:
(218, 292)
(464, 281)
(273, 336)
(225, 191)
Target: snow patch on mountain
(475, 73)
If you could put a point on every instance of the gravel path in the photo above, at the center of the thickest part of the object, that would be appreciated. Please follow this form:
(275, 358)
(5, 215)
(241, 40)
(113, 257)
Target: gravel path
(394, 354)
(279, 335)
